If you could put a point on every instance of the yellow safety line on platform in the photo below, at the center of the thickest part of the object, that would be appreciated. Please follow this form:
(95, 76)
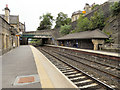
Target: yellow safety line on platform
(44, 78)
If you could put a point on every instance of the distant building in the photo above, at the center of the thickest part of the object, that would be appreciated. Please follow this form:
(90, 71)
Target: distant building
(75, 15)
(87, 9)
(14, 21)
(22, 27)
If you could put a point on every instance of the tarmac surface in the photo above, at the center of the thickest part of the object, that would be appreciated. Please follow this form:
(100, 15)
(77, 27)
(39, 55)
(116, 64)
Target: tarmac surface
(18, 62)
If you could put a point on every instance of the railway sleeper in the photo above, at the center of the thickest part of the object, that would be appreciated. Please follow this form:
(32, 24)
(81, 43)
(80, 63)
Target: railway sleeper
(65, 69)
(78, 80)
(74, 76)
(80, 77)
(68, 71)
(62, 68)
(71, 73)
(91, 85)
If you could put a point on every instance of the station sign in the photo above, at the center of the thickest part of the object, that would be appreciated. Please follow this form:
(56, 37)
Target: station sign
(83, 12)
(17, 35)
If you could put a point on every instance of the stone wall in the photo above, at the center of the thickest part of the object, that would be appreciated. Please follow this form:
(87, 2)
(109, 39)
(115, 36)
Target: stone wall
(112, 28)
(104, 7)
(6, 36)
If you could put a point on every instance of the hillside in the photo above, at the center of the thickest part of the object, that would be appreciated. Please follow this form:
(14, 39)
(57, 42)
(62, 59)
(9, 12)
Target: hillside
(112, 28)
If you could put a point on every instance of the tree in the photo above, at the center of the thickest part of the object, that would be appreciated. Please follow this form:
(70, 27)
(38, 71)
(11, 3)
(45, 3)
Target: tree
(115, 8)
(65, 29)
(46, 21)
(62, 19)
(97, 21)
(82, 24)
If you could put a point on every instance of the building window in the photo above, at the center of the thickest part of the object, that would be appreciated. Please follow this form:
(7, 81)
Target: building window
(75, 17)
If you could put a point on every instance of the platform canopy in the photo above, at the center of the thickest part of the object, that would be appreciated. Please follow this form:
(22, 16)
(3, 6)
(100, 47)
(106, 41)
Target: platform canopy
(95, 34)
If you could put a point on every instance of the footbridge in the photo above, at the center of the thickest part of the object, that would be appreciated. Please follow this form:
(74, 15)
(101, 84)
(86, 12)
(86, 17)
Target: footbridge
(46, 36)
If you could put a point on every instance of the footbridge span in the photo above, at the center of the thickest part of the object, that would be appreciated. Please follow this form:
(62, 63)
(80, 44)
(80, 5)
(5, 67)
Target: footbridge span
(46, 36)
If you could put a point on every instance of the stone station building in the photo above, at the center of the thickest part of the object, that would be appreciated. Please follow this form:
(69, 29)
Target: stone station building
(84, 40)
(10, 28)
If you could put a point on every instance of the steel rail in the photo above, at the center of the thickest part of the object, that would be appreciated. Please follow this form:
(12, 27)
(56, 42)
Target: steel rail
(98, 81)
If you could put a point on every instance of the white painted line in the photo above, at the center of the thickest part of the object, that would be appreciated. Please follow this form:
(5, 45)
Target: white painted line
(41, 70)
(71, 83)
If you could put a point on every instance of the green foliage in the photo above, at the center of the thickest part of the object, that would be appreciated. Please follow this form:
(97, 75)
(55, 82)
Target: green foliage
(73, 31)
(36, 41)
(65, 29)
(33, 41)
(46, 21)
(108, 33)
(83, 24)
(95, 6)
(62, 19)
(115, 8)
(97, 21)
(110, 40)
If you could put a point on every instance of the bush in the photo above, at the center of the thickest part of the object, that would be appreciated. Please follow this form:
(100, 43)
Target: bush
(97, 5)
(83, 24)
(115, 8)
(97, 21)
(73, 31)
(65, 29)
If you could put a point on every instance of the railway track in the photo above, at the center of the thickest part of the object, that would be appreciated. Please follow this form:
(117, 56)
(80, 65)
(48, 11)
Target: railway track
(96, 65)
(112, 71)
(81, 79)
(103, 72)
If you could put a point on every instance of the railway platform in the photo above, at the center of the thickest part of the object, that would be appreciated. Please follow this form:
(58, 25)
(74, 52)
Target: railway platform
(89, 51)
(26, 67)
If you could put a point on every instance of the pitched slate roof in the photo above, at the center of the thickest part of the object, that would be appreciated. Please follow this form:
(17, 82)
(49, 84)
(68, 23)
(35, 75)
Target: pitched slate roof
(13, 19)
(96, 34)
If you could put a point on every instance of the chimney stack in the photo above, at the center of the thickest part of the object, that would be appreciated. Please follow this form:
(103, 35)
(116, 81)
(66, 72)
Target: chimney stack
(7, 13)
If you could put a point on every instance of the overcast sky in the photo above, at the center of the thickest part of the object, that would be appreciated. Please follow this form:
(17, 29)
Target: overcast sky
(29, 11)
